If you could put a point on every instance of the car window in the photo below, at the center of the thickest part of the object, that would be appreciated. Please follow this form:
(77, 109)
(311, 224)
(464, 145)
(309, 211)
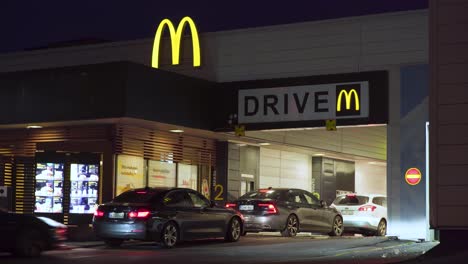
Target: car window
(294, 197)
(177, 199)
(262, 194)
(137, 196)
(197, 200)
(310, 199)
(351, 200)
(382, 201)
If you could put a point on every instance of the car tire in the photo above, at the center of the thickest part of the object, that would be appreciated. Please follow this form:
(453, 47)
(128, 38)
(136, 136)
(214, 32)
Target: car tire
(337, 226)
(29, 243)
(234, 230)
(113, 243)
(169, 235)
(381, 228)
(292, 227)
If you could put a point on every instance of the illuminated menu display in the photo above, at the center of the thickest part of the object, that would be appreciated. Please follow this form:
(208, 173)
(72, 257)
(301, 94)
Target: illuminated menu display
(49, 184)
(84, 179)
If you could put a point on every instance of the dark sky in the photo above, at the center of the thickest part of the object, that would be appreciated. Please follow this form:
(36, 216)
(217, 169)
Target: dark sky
(29, 24)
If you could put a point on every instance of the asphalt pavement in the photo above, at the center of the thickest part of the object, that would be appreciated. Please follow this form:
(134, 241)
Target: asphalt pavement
(253, 248)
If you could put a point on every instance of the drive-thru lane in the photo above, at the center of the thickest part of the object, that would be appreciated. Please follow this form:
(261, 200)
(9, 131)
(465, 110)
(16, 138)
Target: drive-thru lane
(251, 249)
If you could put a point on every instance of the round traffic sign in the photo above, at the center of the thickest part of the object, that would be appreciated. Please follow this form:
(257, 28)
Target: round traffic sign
(413, 176)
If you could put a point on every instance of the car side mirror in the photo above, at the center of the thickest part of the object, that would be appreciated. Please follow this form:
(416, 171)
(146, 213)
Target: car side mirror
(323, 204)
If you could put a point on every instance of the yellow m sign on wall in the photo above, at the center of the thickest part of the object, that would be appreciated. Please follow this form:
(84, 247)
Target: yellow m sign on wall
(176, 39)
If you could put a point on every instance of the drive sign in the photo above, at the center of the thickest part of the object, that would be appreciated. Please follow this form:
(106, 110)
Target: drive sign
(413, 176)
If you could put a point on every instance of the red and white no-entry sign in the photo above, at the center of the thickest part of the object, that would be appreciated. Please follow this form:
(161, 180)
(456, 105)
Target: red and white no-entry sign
(413, 176)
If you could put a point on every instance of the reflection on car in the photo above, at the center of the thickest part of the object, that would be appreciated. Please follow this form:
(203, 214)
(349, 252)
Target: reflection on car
(27, 235)
(166, 216)
(365, 214)
(287, 210)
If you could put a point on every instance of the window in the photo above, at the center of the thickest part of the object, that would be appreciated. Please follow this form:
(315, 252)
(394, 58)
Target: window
(138, 196)
(261, 194)
(176, 199)
(198, 200)
(294, 197)
(382, 201)
(351, 200)
(311, 200)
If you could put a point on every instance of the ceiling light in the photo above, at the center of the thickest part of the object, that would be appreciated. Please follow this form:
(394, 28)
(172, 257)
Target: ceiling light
(241, 145)
(264, 144)
(319, 154)
(176, 131)
(33, 126)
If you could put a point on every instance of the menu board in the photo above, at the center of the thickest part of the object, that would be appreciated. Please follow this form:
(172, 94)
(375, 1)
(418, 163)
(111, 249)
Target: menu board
(84, 180)
(49, 184)
(130, 173)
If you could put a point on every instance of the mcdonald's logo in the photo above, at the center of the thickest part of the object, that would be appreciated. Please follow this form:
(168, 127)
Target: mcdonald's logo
(176, 39)
(348, 93)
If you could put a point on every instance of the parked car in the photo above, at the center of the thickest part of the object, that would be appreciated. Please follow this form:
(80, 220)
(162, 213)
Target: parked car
(287, 210)
(166, 216)
(365, 214)
(28, 235)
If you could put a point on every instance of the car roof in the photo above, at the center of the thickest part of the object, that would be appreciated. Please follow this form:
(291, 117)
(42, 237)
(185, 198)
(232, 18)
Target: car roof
(362, 194)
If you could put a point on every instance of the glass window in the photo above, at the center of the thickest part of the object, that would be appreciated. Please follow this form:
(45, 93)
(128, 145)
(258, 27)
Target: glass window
(310, 199)
(177, 199)
(351, 200)
(161, 174)
(137, 196)
(198, 200)
(294, 197)
(187, 176)
(382, 201)
(261, 194)
(130, 173)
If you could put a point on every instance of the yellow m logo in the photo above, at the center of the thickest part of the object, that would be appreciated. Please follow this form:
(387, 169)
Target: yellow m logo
(348, 97)
(176, 38)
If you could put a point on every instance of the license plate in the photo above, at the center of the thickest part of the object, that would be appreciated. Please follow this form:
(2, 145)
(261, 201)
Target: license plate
(347, 212)
(246, 207)
(116, 215)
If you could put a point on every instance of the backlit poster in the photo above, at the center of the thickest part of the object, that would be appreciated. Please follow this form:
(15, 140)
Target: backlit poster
(187, 176)
(49, 184)
(84, 180)
(161, 174)
(130, 173)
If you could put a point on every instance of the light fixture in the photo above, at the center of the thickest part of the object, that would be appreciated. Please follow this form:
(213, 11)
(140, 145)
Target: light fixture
(241, 145)
(176, 131)
(264, 144)
(33, 126)
(319, 154)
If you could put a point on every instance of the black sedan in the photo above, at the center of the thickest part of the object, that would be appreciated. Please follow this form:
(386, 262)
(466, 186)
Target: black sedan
(27, 235)
(165, 216)
(288, 211)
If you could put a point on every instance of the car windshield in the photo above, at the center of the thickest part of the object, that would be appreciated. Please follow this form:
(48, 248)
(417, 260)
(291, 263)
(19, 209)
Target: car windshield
(351, 200)
(138, 196)
(261, 194)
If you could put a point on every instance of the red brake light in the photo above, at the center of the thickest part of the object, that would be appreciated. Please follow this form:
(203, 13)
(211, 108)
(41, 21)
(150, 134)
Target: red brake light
(230, 205)
(141, 192)
(271, 209)
(351, 195)
(141, 213)
(98, 213)
(367, 208)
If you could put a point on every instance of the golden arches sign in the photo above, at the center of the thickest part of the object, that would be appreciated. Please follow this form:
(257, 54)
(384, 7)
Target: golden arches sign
(176, 39)
(348, 97)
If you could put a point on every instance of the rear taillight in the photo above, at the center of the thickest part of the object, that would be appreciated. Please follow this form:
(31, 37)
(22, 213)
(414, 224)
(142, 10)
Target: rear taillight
(270, 208)
(230, 205)
(141, 213)
(367, 208)
(61, 234)
(98, 213)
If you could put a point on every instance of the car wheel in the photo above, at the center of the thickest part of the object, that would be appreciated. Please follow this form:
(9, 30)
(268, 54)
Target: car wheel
(337, 229)
(381, 228)
(234, 230)
(113, 243)
(29, 243)
(169, 235)
(292, 227)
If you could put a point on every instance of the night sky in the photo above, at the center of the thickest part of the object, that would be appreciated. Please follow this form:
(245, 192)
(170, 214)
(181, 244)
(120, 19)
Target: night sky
(27, 24)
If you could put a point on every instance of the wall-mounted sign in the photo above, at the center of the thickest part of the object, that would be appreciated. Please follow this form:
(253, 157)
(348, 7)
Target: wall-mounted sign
(176, 39)
(413, 176)
(302, 103)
